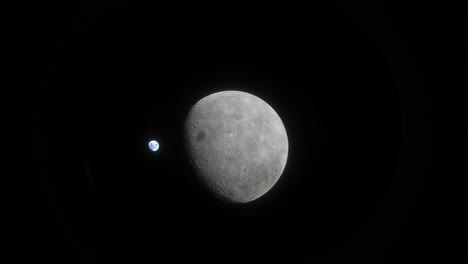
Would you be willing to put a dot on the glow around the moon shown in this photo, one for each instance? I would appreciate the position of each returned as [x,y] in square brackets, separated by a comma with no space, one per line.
[153,145]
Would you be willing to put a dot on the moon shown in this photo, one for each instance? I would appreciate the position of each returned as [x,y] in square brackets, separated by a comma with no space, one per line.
[236,144]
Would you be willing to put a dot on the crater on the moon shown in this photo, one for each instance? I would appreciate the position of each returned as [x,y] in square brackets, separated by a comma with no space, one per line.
[201,136]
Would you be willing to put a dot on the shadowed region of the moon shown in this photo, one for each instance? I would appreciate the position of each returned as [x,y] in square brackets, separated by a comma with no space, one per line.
[237,145]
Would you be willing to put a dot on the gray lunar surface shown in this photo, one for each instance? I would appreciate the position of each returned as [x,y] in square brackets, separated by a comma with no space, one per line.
[237,145]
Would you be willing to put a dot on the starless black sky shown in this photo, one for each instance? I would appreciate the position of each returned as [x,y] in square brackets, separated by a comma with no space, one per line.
[357,88]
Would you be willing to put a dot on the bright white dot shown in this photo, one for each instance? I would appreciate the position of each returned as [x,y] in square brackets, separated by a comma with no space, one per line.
[153,145]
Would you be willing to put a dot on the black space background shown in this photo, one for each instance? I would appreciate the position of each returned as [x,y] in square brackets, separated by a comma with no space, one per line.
[360,88]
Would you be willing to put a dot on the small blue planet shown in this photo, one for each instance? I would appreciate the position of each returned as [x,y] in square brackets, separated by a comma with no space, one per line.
[153,145]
